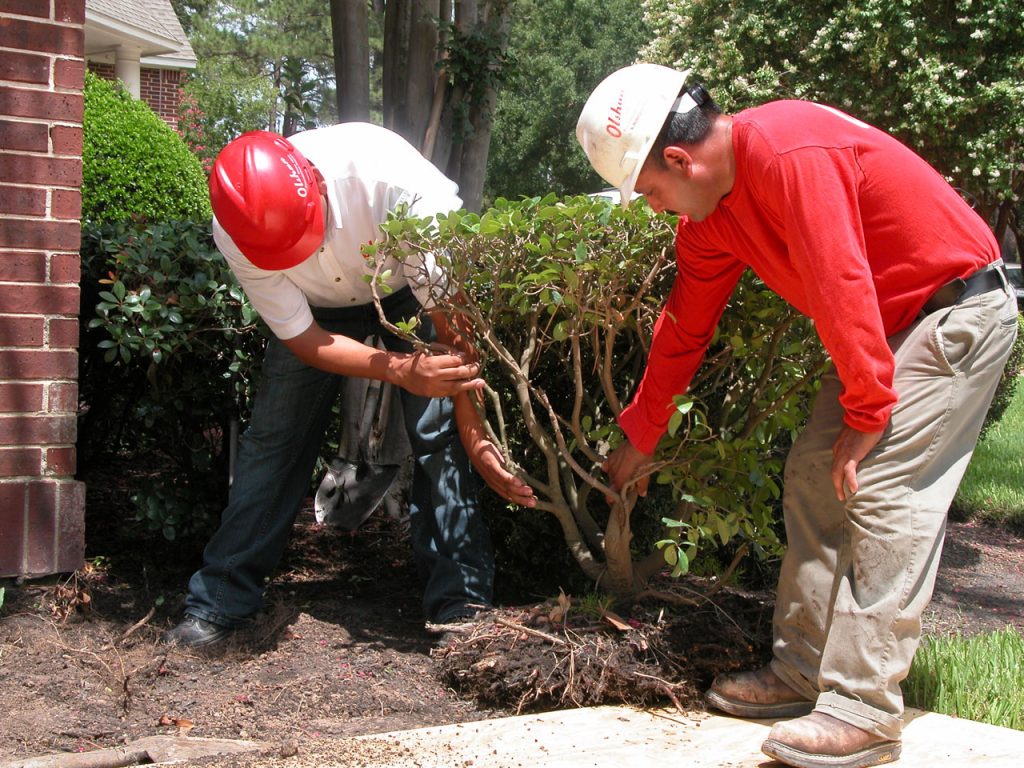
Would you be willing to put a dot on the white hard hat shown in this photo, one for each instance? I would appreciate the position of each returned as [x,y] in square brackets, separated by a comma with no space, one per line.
[623,117]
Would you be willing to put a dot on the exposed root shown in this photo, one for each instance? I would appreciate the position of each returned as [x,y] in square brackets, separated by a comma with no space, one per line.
[503,659]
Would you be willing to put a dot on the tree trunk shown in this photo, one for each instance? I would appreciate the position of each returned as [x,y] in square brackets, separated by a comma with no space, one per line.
[467,159]
[410,52]
[433,137]
[472,154]
[418,99]
[272,117]
[350,31]
[618,557]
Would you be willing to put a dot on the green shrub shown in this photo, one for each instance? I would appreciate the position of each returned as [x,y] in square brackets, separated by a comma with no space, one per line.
[133,163]
[168,347]
[563,295]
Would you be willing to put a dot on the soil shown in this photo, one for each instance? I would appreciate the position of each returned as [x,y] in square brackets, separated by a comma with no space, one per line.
[342,650]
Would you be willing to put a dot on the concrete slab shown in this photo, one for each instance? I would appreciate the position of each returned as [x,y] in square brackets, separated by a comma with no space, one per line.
[612,737]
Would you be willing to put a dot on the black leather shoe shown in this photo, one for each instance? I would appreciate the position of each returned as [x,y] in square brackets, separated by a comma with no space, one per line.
[460,613]
[194,632]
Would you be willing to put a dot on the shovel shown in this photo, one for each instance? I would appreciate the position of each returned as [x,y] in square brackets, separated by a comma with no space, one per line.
[354,485]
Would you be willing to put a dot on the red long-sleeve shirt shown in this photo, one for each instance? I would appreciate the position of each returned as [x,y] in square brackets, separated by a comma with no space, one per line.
[841,220]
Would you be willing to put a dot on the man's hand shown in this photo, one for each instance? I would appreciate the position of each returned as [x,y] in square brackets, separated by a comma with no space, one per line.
[442,374]
[486,457]
[488,461]
[848,451]
[622,465]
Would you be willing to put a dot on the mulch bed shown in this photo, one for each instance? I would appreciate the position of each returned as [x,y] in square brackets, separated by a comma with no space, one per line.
[342,649]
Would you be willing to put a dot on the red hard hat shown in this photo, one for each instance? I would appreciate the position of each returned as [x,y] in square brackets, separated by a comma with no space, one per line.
[265,195]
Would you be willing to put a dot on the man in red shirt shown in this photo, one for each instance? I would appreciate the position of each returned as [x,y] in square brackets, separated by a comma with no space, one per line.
[907,293]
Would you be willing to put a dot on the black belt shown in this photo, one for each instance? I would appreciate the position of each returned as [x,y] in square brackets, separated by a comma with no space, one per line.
[962,288]
[360,311]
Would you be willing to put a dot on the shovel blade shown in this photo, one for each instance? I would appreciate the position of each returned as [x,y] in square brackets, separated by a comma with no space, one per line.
[350,491]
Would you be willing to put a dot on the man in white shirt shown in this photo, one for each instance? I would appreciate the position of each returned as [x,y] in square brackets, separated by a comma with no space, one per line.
[291,216]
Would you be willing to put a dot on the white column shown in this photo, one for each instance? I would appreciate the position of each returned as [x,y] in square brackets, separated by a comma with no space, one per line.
[128,70]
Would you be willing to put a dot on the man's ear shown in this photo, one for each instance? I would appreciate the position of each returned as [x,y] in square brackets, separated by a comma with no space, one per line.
[321,183]
[678,159]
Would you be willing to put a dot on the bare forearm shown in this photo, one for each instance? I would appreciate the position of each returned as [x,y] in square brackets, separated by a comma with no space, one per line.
[467,418]
[342,355]
[485,455]
[439,375]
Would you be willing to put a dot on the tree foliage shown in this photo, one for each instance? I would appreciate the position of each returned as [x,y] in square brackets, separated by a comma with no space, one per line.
[944,76]
[563,295]
[260,64]
[560,50]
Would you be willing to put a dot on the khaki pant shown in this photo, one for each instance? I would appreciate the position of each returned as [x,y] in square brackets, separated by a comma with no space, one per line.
[858,575]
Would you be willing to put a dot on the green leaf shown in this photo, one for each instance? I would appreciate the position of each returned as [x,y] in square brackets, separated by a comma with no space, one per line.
[682,563]
[671,555]
[674,422]
[723,530]
[571,278]
[683,405]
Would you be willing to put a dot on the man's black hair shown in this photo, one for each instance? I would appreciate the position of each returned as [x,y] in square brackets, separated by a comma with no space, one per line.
[687,128]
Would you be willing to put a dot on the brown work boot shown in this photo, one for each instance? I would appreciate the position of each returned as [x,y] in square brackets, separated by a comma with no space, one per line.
[821,741]
[757,694]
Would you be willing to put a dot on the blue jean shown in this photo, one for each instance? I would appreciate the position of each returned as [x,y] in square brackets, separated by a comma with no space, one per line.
[276,457]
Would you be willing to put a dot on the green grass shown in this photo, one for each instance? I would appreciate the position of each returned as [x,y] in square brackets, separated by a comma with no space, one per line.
[978,678]
[993,488]
[981,677]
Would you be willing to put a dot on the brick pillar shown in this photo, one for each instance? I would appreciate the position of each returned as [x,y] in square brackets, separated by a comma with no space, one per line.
[42,70]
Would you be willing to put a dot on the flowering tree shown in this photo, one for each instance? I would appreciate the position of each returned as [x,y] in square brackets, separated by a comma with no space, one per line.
[192,127]
[944,76]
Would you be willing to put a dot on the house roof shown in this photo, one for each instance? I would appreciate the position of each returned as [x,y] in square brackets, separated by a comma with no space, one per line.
[151,26]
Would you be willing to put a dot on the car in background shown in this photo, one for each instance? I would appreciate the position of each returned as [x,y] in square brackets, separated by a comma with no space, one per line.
[1013,272]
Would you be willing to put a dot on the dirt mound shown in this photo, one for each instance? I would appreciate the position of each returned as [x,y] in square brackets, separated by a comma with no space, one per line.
[550,656]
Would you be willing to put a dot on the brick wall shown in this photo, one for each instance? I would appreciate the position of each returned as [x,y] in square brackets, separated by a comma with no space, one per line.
[159,88]
[42,66]
[106,71]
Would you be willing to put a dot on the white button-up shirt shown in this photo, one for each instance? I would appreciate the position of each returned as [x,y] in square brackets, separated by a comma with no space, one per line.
[369,171]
